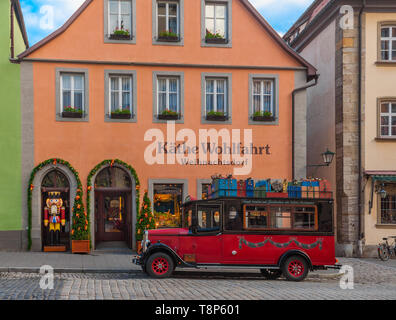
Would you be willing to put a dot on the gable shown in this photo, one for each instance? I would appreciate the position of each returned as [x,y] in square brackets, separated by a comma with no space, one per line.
[254,41]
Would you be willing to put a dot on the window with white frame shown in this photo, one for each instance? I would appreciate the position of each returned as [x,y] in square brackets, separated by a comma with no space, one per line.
[168,95]
[72,92]
[388,43]
[216,96]
[388,118]
[120,18]
[263,97]
[216,20]
[120,88]
[167,19]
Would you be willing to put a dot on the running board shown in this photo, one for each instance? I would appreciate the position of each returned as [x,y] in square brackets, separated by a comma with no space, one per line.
[224,266]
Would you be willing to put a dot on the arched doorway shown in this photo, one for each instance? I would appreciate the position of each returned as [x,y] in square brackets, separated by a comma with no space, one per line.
[55,186]
[113,206]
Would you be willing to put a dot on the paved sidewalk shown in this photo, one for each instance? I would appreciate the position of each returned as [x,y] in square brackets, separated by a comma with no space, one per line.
[67,262]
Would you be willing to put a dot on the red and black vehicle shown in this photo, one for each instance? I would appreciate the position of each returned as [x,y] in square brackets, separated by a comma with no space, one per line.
[278,236]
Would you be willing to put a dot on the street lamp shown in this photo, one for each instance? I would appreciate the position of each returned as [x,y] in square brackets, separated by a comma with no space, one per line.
[327,159]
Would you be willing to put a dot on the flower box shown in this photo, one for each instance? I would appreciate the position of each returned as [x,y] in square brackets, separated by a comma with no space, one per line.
[169,116]
[168,38]
[120,115]
[264,118]
[216,40]
[80,246]
[216,117]
[71,114]
[120,37]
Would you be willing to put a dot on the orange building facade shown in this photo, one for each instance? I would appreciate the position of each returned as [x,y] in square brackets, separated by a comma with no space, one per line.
[150,83]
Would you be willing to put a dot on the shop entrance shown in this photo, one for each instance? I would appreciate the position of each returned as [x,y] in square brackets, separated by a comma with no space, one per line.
[113,206]
[55,187]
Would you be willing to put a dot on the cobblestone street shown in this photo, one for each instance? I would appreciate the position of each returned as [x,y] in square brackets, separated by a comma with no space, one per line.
[371,281]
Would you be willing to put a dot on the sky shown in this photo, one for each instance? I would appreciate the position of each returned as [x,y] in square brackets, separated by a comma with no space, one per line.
[42,17]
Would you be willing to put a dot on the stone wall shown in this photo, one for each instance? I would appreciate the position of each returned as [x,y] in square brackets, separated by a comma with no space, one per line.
[347,142]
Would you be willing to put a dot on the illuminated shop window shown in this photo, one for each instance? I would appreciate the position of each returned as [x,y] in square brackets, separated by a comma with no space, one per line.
[167,201]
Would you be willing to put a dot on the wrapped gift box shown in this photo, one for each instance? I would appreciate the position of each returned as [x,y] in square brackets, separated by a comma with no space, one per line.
[260,192]
[277,195]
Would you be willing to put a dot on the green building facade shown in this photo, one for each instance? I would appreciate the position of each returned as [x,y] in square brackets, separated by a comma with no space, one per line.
[13,41]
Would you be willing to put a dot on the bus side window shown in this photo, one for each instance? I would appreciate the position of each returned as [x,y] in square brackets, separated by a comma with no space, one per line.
[233,218]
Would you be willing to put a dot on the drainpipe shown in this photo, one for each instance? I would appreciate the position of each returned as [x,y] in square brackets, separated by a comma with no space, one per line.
[293,112]
[12,30]
[360,211]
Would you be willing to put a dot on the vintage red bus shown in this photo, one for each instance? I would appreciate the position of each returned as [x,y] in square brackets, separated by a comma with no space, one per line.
[276,235]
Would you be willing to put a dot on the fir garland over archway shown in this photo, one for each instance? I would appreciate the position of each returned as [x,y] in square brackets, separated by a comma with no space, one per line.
[80,218]
[111,163]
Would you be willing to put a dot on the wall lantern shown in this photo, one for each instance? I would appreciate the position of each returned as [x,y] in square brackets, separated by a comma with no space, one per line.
[381,191]
[327,156]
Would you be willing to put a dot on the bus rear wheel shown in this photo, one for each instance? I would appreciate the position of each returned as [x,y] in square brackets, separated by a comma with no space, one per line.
[295,268]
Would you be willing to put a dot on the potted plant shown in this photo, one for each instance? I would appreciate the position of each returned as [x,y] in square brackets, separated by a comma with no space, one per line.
[216,116]
[120,34]
[80,225]
[214,37]
[168,36]
[265,116]
[121,114]
[72,112]
[145,220]
[169,115]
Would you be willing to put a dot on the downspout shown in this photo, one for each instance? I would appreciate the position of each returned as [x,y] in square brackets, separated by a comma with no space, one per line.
[361,233]
[12,30]
[293,113]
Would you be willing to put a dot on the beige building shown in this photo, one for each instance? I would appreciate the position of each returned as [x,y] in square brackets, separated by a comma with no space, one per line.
[352,111]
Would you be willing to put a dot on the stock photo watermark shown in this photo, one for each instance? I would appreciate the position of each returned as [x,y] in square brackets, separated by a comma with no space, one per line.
[47,278]
[347,279]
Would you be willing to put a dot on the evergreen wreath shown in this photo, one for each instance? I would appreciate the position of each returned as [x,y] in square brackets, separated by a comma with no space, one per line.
[111,162]
[80,225]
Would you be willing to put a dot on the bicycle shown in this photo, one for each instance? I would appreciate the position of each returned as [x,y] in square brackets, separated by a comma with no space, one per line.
[386,250]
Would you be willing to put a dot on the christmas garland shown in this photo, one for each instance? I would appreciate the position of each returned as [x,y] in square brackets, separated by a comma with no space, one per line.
[280,245]
[80,218]
[111,163]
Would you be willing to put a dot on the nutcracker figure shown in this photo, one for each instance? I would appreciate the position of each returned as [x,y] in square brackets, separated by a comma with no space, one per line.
[54,216]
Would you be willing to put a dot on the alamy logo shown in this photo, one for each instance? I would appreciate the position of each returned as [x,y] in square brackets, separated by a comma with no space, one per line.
[47,278]
[182,147]
[346,281]
[47,20]
[347,20]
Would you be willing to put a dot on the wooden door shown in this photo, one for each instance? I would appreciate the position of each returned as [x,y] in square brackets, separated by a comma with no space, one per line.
[111,216]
